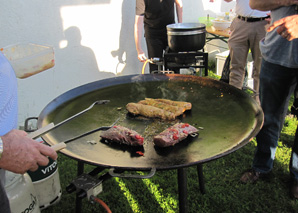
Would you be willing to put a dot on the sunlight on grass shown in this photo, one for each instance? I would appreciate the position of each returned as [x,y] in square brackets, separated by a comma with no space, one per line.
[128,195]
[284,149]
[290,126]
[283,155]
[166,203]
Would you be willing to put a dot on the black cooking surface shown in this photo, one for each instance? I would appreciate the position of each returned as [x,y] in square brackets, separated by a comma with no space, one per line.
[229,118]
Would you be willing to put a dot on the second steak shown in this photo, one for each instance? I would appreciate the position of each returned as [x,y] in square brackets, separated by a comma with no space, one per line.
[174,134]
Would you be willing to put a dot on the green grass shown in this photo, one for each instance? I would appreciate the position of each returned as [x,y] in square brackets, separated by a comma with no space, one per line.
[224,192]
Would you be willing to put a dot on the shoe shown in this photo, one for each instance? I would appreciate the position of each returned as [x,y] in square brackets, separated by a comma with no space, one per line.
[253,176]
[294,189]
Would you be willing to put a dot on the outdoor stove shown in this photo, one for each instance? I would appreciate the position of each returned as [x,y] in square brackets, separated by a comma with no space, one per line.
[188,60]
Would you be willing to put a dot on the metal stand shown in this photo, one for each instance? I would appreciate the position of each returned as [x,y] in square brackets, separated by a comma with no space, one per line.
[198,59]
[78,199]
[182,188]
[84,180]
[201,178]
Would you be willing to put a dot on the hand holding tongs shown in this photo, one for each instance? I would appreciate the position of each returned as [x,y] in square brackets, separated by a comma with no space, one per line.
[51,126]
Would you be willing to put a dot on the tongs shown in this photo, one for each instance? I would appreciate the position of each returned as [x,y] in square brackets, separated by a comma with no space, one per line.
[62,145]
[52,126]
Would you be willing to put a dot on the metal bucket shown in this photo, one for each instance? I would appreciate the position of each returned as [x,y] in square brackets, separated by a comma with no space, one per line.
[21,193]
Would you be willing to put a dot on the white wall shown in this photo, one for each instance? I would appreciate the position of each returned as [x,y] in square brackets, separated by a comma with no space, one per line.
[93,40]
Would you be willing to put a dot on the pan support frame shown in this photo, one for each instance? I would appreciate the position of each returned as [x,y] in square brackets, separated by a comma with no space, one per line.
[199,59]
[96,184]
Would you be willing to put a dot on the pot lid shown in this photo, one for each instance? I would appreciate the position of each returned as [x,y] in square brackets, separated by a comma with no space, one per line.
[186,26]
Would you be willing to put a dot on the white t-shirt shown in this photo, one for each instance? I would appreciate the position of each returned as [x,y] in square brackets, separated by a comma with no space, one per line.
[243,9]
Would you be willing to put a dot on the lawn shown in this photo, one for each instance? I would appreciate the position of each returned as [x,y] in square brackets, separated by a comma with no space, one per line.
[224,192]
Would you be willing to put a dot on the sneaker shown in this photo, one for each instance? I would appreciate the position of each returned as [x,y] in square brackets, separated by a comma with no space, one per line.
[252,176]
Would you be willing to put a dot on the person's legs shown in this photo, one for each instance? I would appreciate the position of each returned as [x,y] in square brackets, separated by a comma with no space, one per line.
[155,49]
[294,168]
[294,107]
[257,34]
[276,86]
[294,158]
[238,46]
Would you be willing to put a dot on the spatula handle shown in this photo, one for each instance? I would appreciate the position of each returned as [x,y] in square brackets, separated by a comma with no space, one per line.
[59,146]
[41,131]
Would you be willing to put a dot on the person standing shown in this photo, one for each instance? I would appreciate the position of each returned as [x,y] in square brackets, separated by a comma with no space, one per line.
[278,79]
[154,16]
[247,29]
[18,153]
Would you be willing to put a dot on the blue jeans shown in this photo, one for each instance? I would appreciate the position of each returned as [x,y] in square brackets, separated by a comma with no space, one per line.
[277,84]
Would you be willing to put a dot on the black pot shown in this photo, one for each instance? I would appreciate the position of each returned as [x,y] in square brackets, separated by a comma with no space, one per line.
[184,37]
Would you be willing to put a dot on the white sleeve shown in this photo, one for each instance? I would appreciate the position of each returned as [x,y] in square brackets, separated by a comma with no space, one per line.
[8,97]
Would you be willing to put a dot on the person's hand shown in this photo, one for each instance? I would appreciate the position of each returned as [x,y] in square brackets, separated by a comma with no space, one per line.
[268,19]
[20,153]
[142,57]
[287,27]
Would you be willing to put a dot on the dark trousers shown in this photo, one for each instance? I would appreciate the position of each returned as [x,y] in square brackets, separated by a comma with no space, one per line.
[277,84]
[155,47]
[4,202]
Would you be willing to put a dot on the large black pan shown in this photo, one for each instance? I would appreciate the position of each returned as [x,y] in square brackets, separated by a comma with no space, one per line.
[229,117]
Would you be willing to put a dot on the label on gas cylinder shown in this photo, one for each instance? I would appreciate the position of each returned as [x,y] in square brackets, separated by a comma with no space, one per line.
[32,206]
[44,171]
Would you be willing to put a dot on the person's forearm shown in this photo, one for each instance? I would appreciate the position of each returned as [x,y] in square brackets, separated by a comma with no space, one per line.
[138,32]
[265,5]
[179,10]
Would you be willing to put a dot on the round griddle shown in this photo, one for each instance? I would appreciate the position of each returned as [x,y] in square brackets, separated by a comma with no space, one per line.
[229,116]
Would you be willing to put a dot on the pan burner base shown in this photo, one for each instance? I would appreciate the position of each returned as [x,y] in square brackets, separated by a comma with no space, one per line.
[193,59]
[86,185]
[89,185]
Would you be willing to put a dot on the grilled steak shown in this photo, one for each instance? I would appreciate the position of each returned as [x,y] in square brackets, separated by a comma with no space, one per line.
[123,135]
[149,111]
[174,134]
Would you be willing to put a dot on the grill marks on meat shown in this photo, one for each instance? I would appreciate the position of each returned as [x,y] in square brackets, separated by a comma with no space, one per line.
[123,135]
[174,134]
[158,108]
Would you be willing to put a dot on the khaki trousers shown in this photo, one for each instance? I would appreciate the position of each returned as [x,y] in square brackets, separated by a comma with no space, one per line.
[245,36]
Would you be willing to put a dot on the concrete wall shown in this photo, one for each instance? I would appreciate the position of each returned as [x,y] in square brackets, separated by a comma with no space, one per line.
[93,40]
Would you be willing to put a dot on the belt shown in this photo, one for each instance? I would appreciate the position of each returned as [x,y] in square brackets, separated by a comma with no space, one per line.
[251,19]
